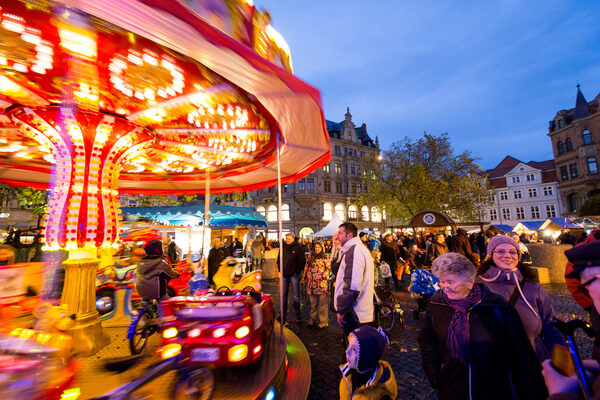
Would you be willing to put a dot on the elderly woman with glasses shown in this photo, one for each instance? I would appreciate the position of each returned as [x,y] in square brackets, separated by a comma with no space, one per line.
[472,342]
[504,273]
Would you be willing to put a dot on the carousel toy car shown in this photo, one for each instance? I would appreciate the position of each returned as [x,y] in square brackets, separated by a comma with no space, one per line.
[234,328]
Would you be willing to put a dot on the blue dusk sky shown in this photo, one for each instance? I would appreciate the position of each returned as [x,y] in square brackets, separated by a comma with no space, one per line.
[490,73]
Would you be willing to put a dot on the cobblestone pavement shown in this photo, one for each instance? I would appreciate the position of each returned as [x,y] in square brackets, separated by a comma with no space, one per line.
[326,352]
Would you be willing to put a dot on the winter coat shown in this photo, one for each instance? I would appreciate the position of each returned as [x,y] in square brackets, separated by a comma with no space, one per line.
[173,252]
[293,259]
[382,384]
[150,272]
[215,258]
[503,362]
[435,250]
[316,274]
[354,281]
[390,253]
[461,245]
[536,319]
[258,247]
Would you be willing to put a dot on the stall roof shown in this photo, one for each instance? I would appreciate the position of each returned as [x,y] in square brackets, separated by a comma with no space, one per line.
[330,228]
[562,223]
[502,227]
[220,215]
[532,225]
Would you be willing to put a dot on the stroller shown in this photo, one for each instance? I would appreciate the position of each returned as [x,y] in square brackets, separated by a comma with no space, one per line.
[423,284]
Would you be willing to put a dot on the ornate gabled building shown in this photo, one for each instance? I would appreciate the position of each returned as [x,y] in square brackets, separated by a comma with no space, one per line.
[308,204]
[522,192]
[575,135]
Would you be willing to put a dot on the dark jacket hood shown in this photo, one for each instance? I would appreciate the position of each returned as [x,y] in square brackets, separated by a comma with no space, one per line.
[148,267]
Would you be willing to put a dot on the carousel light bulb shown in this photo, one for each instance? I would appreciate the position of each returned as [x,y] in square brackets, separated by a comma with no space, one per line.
[13,26]
[75,42]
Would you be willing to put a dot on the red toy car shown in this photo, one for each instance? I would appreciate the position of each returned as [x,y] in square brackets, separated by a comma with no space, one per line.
[233,330]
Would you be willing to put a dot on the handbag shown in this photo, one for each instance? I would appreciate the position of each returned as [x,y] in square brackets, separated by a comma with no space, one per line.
[384,270]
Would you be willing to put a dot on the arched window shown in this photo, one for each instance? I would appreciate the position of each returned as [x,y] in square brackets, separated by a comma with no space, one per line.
[261,210]
[569,144]
[375,214]
[285,212]
[364,213]
[327,212]
[560,146]
[340,210]
[352,213]
[272,213]
[587,136]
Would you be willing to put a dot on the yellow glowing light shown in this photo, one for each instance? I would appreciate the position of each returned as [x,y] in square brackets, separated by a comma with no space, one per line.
[71,394]
[78,43]
[170,333]
[170,350]
[242,332]
[238,353]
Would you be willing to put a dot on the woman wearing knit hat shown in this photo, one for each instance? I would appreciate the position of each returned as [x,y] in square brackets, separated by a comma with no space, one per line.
[365,376]
[505,274]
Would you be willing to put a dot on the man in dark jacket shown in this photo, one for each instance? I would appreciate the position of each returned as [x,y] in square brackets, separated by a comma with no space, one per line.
[293,266]
[436,249]
[391,253]
[173,251]
[461,245]
[216,255]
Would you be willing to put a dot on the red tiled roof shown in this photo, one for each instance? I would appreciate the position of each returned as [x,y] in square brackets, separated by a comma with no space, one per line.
[547,167]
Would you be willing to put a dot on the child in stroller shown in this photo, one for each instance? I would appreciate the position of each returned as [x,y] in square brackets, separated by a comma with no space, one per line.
[423,284]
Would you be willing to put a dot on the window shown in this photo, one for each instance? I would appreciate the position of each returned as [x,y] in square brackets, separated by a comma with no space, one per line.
[261,210]
[357,169]
[506,213]
[346,169]
[516,179]
[503,195]
[272,213]
[302,185]
[352,169]
[535,212]
[345,151]
[492,198]
[327,211]
[587,137]
[532,192]
[560,146]
[520,213]
[354,188]
[327,186]
[362,154]
[352,213]
[310,184]
[530,177]
[564,172]
[340,210]
[338,151]
[364,213]
[375,214]
[285,188]
[548,191]
[574,171]
[568,144]
[493,215]
[592,166]
[338,187]
[338,168]
[517,194]
[550,211]
[285,212]
[326,168]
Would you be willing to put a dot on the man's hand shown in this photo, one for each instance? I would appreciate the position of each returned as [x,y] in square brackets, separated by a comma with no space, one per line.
[557,382]
[340,320]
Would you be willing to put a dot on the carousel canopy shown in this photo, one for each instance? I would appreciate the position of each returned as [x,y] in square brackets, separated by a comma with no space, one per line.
[155,92]
[220,216]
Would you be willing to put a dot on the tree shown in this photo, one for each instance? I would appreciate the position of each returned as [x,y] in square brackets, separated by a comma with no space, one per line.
[590,207]
[422,174]
[155,200]
[27,198]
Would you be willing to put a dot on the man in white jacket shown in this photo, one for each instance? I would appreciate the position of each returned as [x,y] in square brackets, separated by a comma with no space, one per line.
[353,296]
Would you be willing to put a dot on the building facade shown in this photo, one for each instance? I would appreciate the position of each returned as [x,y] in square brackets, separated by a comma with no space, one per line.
[308,204]
[575,135]
[523,192]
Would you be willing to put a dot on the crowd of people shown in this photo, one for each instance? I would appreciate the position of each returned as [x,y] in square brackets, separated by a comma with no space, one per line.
[487,331]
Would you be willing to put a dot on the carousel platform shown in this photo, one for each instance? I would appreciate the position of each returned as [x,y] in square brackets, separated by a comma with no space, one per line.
[283,372]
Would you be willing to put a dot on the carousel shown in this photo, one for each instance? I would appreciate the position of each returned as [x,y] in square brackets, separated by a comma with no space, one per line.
[144,97]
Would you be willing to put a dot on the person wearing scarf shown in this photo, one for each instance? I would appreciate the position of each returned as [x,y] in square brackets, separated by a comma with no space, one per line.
[316,275]
[472,342]
[504,273]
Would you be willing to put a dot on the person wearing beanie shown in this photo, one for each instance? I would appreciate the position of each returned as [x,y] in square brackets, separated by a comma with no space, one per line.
[154,273]
[365,376]
[585,259]
[504,273]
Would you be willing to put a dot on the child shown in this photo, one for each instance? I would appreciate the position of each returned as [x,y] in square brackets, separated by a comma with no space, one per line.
[365,376]
[154,273]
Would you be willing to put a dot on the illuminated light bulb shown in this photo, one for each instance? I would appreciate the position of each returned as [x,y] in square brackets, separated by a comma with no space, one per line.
[149,94]
[150,59]
[75,42]
[2,61]
[13,26]
[171,92]
[161,93]
[20,67]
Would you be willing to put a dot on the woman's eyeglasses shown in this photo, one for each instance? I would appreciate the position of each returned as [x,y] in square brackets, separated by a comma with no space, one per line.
[583,287]
[513,253]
